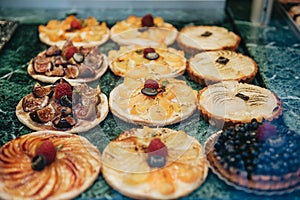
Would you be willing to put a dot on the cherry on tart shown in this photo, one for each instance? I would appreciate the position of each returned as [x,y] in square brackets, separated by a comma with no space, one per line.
[256,157]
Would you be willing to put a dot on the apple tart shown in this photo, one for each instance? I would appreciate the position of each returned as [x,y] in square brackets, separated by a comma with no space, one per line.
[195,39]
[215,66]
[168,62]
[152,102]
[47,165]
[158,163]
[143,31]
[231,102]
[63,107]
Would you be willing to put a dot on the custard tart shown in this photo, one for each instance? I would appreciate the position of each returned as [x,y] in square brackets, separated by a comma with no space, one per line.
[47,165]
[158,163]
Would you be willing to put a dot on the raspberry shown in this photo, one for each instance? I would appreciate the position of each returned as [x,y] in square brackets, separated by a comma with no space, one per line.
[150,83]
[147,21]
[63,89]
[75,24]
[48,150]
[69,52]
[157,148]
[266,131]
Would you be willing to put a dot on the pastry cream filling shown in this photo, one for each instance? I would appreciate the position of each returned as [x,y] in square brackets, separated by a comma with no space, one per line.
[221,100]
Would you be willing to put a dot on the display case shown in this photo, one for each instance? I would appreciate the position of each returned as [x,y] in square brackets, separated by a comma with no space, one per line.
[273,43]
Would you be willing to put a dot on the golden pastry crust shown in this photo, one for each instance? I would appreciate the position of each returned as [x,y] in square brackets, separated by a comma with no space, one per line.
[230,102]
[75,168]
[214,66]
[174,105]
[125,167]
[194,39]
[131,32]
[98,113]
[170,63]
[98,71]
[92,33]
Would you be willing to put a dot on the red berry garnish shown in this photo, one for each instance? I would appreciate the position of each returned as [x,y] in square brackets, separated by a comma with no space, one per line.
[157,148]
[266,131]
[48,150]
[63,89]
[75,24]
[150,83]
[147,21]
[69,52]
[148,50]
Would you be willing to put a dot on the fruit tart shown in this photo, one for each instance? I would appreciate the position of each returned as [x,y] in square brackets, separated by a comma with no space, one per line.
[152,102]
[231,102]
[194,39]
[222,65]
[146,30]
[74,64]
[47,165]
[82,32]
[63,107]
[256,157]
[158,163]
[168,62]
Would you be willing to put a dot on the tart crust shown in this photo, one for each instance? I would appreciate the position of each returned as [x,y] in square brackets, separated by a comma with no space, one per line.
[76,167]
[205,67]
[125,167]
[215,38]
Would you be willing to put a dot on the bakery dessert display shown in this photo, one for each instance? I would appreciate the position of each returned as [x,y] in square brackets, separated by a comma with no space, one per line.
[231,102]
[255,157]
[195,39]
[74,64]
[150,101]
[47,165]
[63,107]
[155,163]
[222,65]
[146,30]
[167,62]
[82,32]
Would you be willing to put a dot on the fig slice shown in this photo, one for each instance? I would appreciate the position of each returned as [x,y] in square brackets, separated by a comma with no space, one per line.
[42,64]
[64,122]
[72,71]
[40,91]
[86,71]
[85,112]
[43,115]
[56,71]
[31,103]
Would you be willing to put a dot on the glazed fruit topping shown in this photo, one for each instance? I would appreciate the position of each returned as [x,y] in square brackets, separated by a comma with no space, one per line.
[150,54]
[69,51]
[266,131]
[63,89]
[157,153]
[45,154]
[148,21]
[150,83]
[222,60]
[75,24]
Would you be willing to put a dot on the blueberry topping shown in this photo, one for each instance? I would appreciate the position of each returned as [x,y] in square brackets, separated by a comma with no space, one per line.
[149,91]
[78,57]
[38,162]
[206,34]
[156,161]
[152,56]
[222,60]
[66,101]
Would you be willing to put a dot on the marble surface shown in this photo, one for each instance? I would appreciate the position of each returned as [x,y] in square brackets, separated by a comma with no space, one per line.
[274,47]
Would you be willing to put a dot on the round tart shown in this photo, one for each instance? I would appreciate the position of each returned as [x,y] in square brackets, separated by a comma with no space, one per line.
[207,38]
[164,102]
[63,107]
[82,32]
[168,62]
[257,158]
[75,166]
[215,66]
[74,64]
[154,163]
[144,31]
[231,102]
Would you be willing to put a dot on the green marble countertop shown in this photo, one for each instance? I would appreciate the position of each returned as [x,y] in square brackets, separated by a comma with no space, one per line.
[275,48]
